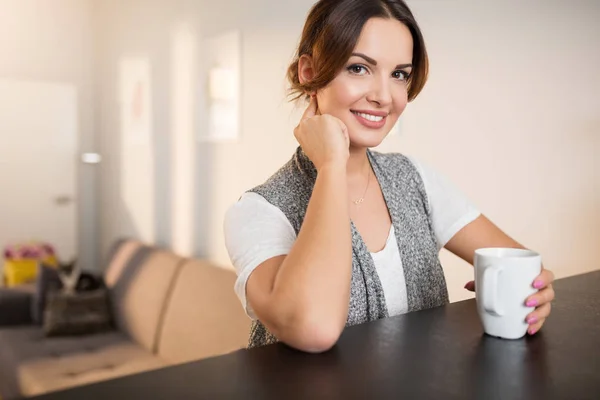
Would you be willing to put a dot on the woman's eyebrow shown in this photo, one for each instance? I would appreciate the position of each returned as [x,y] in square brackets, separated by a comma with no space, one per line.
[367,58]
[373,62]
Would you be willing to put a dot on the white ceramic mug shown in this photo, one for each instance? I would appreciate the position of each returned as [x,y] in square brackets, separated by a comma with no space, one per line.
[503,281]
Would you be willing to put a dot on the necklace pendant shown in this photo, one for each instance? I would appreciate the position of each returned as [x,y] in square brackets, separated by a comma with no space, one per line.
[359,201]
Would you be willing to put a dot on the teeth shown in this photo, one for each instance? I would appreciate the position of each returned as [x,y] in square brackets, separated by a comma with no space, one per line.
[370,117]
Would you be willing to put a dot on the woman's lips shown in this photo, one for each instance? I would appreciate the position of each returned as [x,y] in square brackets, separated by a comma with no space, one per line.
[372,120]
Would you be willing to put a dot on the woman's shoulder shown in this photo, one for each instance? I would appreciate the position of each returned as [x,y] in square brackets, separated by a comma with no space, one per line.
[391,157]
[420,170]
[424,169]
[290,187]
[282,176]
[397,161]
[249,203]
[251,210]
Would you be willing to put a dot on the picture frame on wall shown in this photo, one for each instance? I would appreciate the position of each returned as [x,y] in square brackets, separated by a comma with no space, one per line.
[221,87]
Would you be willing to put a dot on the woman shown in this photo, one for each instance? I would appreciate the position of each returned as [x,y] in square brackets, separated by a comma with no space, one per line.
[341,235]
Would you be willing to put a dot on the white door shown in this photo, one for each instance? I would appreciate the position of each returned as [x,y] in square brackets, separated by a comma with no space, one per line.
[38,160]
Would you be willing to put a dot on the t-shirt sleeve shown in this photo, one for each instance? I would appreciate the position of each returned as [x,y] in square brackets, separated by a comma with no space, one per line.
[450,209]
[255,231]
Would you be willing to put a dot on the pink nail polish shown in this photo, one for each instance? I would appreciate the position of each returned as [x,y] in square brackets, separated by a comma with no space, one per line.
[532,331]
[532,320]
[538,284]
[531,303]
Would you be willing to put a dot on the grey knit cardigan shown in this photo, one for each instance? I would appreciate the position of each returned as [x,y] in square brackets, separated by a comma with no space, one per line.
[290,189]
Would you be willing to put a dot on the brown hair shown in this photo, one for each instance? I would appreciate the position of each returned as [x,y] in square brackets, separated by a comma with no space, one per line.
[331,32]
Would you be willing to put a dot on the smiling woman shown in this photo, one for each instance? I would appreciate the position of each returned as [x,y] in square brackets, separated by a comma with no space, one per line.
[343,235]
[380,71]
[332,31]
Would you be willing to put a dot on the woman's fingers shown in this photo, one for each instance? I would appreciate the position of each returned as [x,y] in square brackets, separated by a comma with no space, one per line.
[311,110]
[542,297]
[545,278]
[537,318]
[534,328]
[539,314]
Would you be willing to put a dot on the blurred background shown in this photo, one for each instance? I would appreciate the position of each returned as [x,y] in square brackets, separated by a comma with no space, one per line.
[148,119]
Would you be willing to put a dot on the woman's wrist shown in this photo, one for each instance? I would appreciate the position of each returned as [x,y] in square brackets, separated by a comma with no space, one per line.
[333,167]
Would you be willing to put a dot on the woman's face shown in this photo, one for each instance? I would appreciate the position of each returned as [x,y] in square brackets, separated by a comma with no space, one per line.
[370,92]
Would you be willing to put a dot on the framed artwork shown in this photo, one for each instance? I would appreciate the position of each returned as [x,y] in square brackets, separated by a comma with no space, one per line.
[221,83]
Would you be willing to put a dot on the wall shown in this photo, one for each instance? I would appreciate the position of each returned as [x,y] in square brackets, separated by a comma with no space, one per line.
[131,34]
[149,30]
[510,114]
[52,42]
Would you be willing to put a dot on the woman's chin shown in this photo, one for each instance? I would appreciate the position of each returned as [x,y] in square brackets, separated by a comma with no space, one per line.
[366,140]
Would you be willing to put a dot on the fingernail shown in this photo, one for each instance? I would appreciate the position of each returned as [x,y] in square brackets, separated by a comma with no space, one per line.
[532,331]
[466,285]
[531,303]
[538,284]
[532,320]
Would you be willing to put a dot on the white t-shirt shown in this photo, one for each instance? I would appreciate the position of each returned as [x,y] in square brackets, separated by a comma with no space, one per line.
[256,230]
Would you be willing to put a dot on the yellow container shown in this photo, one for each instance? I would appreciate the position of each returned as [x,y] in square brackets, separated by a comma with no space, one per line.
[17,272]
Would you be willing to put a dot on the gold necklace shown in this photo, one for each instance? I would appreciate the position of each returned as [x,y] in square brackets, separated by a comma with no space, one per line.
[361,199]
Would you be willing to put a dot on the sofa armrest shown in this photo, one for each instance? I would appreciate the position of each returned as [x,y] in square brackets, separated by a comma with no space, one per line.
[15,306]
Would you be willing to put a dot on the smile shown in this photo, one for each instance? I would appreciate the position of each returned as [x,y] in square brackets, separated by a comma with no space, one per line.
[375,120]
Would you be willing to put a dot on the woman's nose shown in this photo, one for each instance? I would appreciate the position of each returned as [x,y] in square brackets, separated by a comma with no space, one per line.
[380,93]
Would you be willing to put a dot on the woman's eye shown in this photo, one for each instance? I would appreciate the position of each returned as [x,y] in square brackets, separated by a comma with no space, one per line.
[400,75]
[357,69]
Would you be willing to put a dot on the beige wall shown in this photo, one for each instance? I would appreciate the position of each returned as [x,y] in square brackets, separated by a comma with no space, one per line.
[510,115]
[52,41]
[146,29]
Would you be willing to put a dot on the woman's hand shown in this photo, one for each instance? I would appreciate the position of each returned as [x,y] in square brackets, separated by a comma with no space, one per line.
[540,300]
[323,138]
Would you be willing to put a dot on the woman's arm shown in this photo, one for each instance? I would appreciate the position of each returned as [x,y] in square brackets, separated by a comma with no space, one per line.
[479,234]
[483,233]
[302,298]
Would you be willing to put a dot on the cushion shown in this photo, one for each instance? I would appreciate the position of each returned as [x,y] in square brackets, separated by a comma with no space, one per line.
[38,364]
[25,344]
[139,293]
[81,313]
[120,255]
[204,317]
[47,282]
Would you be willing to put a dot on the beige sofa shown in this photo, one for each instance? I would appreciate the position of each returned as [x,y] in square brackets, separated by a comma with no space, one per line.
[168,310]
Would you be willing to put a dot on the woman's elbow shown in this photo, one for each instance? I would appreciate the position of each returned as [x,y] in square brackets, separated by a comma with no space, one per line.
[314,337]
[321,344]
[308,329]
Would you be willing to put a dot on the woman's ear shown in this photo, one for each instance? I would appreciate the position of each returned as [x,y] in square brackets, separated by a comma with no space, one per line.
[306,71]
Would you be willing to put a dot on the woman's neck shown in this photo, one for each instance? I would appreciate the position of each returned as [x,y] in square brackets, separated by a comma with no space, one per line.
[357,162]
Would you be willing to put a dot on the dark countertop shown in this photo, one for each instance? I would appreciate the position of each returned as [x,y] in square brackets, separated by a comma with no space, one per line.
[440,353]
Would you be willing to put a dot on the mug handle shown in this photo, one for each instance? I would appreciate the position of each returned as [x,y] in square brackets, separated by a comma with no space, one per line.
[490,290]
